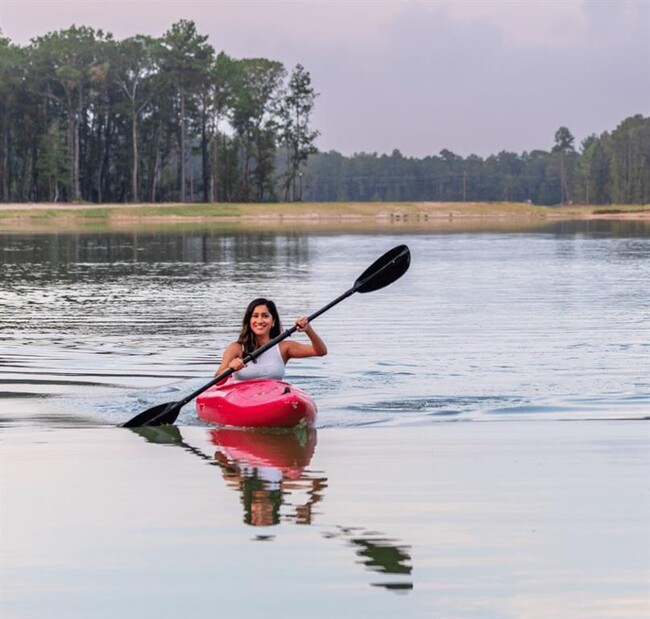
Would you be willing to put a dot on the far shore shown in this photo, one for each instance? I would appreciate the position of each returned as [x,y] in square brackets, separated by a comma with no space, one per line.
[52,217]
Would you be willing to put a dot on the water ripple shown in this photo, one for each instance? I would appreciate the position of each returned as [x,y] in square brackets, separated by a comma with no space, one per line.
[483,326]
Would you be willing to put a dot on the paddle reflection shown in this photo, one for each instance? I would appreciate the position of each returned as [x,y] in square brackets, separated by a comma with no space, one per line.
[379,554]
[270,473]
[268,470]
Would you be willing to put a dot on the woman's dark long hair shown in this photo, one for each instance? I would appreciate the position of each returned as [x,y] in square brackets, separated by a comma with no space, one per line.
[247,338]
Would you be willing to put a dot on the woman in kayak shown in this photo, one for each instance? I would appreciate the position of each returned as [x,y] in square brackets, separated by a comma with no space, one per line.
[260,325]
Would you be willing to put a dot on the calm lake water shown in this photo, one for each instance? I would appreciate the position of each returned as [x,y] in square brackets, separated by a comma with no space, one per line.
[482,445]
[95,328]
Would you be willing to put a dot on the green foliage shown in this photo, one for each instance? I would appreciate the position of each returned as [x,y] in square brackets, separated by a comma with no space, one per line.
[185,64]
[253,117]
[612,168]
[564,152]
[86,118]
[295,134]
[134,73]
[10,94]
[154,119]
[52,162]
[628,150]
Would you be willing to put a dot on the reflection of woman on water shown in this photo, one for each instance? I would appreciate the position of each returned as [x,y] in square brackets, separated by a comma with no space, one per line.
[261,324]
[260,489]
[264,490]
[267,470]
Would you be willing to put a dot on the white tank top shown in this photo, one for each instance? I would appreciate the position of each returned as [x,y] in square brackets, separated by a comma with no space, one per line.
[268,365]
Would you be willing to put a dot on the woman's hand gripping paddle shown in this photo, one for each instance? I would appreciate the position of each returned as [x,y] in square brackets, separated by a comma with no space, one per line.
[381,273]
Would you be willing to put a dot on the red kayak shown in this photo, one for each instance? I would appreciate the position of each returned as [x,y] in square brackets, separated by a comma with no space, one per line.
[261,403]
[286,451]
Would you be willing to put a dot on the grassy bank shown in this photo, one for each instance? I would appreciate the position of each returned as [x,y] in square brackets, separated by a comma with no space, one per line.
[299,215]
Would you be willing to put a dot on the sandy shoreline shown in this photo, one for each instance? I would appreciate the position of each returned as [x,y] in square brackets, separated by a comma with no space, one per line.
[342,216]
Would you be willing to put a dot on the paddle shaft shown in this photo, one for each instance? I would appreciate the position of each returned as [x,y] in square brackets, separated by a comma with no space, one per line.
[384,271]
[254,355]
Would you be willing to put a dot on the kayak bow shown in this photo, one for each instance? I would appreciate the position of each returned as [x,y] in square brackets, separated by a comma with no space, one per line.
[261,403]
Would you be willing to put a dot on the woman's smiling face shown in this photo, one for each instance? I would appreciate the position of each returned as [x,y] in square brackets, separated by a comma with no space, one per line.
[261,321]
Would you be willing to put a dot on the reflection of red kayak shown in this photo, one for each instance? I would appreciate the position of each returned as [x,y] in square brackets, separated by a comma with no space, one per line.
[256,404]
[286,452]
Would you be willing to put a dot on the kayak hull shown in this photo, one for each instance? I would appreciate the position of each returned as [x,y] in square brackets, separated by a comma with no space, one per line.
[261,403]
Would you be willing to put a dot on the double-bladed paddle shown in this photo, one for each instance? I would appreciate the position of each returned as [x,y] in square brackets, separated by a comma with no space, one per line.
[384,271]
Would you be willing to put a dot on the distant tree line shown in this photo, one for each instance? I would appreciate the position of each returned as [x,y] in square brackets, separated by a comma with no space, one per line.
[611,168]
[84,117]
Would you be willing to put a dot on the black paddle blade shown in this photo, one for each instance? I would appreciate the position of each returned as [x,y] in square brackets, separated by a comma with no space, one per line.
[156,416]
[384,271]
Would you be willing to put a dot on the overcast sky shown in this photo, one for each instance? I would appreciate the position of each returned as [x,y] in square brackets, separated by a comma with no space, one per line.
[471,76]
